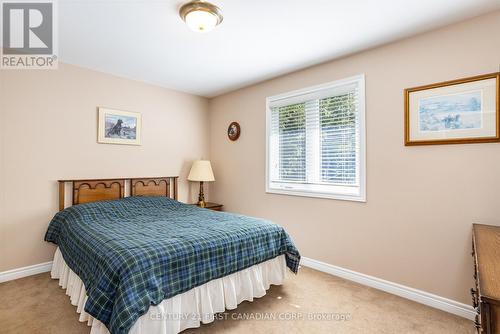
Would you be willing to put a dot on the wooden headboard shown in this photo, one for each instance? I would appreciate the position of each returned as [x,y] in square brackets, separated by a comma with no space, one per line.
[85,191]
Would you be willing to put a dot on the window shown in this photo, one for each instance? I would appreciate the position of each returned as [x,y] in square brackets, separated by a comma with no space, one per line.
[316,141]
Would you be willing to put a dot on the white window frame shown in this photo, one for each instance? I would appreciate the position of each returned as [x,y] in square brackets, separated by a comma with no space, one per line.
[315,190]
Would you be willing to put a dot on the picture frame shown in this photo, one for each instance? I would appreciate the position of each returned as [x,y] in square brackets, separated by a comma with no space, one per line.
[459,111]
[233,131]
[119,127]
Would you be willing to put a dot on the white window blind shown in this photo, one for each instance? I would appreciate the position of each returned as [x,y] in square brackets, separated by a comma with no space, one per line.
[315,141]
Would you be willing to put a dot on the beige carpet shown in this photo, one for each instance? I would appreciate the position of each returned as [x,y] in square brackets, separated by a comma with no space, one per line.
[37,304]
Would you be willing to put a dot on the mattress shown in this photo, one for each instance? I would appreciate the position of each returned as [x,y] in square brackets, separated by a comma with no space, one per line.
[138,251]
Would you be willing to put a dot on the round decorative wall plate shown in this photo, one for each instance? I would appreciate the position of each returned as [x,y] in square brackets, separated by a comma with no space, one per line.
[233,131]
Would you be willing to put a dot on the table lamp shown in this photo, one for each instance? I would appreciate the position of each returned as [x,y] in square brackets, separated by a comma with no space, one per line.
[201,171]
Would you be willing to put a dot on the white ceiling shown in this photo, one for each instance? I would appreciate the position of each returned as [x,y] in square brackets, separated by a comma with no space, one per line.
[259,39]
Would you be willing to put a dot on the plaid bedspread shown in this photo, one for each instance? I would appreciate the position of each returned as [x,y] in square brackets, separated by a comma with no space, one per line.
[134,252]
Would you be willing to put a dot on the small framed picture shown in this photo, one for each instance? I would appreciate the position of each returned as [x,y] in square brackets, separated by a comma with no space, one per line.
[119,127]
[233,131]
[454,112]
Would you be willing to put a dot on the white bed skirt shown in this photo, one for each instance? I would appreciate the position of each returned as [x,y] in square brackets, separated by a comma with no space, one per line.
[188,309]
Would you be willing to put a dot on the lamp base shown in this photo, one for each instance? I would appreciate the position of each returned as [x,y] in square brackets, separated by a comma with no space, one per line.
[201,197]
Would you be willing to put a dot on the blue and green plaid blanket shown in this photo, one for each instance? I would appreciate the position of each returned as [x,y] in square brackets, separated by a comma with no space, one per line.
[134,252]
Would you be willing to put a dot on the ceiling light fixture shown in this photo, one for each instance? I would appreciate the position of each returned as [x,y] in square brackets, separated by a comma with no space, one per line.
[200,16]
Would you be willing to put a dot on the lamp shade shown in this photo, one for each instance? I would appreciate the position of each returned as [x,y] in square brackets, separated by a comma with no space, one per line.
[201,16]
[201,171]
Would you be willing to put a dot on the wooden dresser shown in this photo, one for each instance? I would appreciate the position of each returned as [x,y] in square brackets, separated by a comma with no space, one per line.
[486,295]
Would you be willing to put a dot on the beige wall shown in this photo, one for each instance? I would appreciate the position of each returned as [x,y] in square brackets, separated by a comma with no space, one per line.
[415,227]
[49,129]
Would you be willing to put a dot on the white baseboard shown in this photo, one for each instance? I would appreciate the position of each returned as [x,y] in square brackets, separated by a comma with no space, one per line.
[13,274]
[426,298]
[429,299]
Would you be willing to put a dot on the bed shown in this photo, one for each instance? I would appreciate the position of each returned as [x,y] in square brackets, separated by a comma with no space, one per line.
[147,263]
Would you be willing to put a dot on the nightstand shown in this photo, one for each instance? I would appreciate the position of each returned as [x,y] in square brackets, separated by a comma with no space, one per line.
[212,206]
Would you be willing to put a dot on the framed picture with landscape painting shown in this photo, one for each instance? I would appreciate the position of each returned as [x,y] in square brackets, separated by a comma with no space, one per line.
[119,127]
[454,112]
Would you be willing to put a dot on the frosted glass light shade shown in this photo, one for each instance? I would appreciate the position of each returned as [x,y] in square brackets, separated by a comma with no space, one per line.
[201,21]
[201,171]
[201,16]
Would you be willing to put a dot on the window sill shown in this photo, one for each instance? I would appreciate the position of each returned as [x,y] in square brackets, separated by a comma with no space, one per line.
[341,197]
